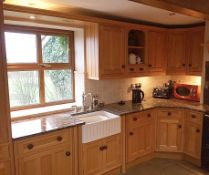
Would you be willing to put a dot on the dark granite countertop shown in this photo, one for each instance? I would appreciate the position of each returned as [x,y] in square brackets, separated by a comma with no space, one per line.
[154,103]
[36,126]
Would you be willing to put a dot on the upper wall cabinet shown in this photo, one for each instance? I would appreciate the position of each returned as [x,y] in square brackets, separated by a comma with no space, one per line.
[105,51]
[136,46]
[195,38]
[176,52]
[116,51]
[185,54]
[156,61]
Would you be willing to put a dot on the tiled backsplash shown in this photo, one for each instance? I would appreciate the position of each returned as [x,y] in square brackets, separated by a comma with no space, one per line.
[110,91]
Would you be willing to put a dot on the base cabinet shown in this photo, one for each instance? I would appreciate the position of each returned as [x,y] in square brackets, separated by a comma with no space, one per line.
[140,135]
[48,154]
[102,156]
[5,168]
[169,130]
[193,134]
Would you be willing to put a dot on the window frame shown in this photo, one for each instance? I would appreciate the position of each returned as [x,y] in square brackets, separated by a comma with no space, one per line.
[12,67]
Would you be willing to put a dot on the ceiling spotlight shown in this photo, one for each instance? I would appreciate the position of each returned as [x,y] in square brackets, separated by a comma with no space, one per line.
[32,17]
[172,14]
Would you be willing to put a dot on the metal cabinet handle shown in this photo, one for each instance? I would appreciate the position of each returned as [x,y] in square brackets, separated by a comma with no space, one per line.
[30,146]
[68,153]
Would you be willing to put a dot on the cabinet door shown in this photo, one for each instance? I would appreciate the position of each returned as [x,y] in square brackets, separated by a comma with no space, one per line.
[112,153]
[112,50]
[176,61]
[93,158]
[63,164]
[169,137]
[192,141]
[140,140]
[156,51]
[37,164]
[5,168]
[195,56]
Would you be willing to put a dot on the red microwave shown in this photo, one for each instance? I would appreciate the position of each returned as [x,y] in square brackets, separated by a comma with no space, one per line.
[187,92]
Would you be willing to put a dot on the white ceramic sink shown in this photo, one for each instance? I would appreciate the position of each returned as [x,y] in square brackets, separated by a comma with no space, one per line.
[99,125]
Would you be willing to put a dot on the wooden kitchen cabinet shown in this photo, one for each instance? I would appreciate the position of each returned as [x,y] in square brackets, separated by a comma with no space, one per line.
[5,167]
[156,51]
[105,51]
[195,37]
[48,154]
[169,130]
[140,134]
[193,134]
[102,156]
[176,52]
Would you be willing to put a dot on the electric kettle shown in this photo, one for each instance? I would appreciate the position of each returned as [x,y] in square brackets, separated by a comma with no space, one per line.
[137,94]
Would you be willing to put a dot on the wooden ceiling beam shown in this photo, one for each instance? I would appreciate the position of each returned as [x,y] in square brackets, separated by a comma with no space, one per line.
[195,8]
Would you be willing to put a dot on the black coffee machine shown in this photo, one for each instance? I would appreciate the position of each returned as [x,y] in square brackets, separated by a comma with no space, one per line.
[137,93]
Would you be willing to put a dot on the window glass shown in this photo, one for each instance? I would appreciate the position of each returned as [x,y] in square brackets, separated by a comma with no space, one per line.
[55,49]
[20,48]
[23,88]
[58,85]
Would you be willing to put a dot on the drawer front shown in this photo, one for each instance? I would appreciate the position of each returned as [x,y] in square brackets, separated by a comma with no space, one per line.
[42,142]
[135,119]
[195,117]
[170,113]
[4,151]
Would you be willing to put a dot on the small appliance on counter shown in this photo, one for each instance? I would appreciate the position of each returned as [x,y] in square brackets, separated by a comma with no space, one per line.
[166,91]
[137,93]
[187,91]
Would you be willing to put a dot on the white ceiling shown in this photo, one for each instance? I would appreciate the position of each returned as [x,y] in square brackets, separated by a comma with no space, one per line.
[120,8]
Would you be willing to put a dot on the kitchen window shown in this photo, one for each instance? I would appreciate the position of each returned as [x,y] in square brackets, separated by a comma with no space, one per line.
[40,66]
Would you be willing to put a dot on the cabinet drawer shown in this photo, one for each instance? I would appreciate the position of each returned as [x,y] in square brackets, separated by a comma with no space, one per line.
[135,119]
[169,113]
[195,117]
[4,151]
[45,141]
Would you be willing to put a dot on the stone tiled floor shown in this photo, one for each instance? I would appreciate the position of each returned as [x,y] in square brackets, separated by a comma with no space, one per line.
[165,167]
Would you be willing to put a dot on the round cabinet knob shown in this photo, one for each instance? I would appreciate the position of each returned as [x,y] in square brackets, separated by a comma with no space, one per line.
[198,130]
[30,146]
[59,138]
[193,116]
[105,147]
[183,65]
[149,65]
[148,115]
[179,126]
[68,153]
[101,148]
[190,65]
[123,66]
[169,113]
[134,119]
[141,69]
[131,69]
[131,133]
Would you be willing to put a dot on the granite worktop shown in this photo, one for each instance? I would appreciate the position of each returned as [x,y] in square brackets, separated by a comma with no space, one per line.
[36,126]
[151,103]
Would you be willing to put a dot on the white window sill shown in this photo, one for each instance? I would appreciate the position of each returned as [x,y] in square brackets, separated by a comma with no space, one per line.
[35,112]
